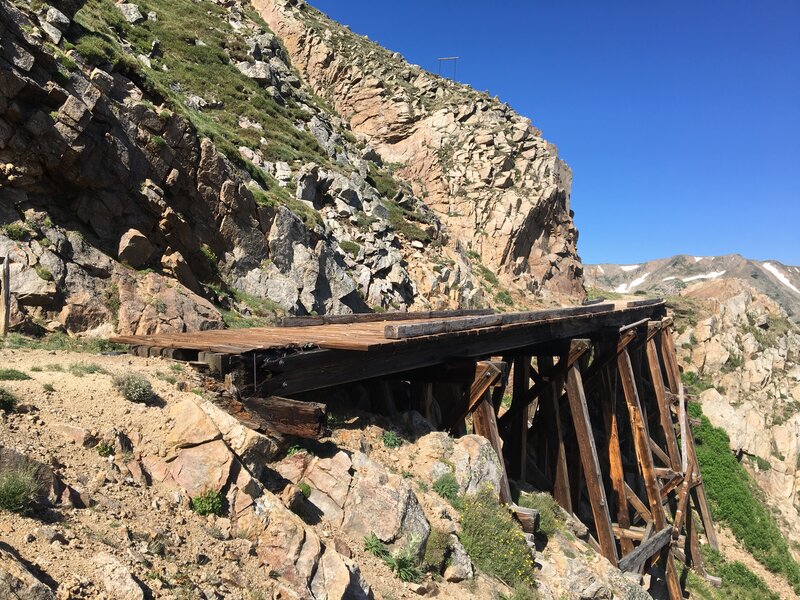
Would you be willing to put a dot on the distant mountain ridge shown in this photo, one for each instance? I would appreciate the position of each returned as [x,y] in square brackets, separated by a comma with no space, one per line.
[668,276]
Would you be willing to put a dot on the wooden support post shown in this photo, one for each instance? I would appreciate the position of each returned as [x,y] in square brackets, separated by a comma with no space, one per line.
[552,412]
[699,493]
[485,423]
[665,415]
[5,297]
[670,358]
[517,432]
[645,459]
[609,396]
[591,465]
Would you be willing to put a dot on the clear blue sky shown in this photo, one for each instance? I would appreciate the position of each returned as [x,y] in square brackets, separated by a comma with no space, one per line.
[680,120]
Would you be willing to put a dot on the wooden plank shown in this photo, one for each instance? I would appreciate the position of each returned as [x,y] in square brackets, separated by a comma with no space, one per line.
[5,297]
[411,330]
[485,424]
[378,317]
[291,417]
[670,358]
[647,549]
[617,472]
[680,510]
[665,415]
[591,465]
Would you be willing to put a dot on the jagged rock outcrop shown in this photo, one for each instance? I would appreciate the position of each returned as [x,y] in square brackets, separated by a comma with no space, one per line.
[491,178]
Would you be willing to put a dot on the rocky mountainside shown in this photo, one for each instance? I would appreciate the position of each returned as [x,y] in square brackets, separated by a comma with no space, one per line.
[182,165]
[668,276]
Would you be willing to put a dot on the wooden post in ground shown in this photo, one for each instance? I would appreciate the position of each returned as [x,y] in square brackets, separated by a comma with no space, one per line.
[517,431]
[5,297]
[591,465]
[484,422]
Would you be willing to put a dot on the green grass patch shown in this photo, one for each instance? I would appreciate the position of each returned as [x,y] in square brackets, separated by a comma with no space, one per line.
[8,401]
[402,563]
[59,342]
[738,581]
[436,551]
[495,541]
[19,488]
[81,368]
[13,375]
[736,501]
[352,248]
[15,231]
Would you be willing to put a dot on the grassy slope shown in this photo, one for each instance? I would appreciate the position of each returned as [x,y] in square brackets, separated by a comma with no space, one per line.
[737,502]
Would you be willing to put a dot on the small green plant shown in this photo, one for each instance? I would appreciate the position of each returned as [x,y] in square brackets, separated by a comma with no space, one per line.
[43,273]
[48,387]
[7,400]
[295,450]
[79,369]
[375,546]
[305,489]
[19,488]
[104,449]
[403,563]
[494,541]
[134,387]
[447,487]
[15,231]
[207,503]
[391,439]
[762,464]
[13,375]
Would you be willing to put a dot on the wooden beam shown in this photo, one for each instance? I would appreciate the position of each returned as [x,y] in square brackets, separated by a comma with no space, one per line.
[551,413]
[665,415]
[376,317]
[5,297]
[637,504]
[646,550]
[591,465]
[670,358]
[485,424]
[290,417]
[487,374]
[410,330]
[527,517]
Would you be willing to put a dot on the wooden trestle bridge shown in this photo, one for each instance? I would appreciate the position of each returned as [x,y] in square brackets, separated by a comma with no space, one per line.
[597,414]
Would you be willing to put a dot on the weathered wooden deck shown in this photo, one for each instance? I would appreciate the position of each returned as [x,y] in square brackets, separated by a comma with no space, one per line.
[596,412]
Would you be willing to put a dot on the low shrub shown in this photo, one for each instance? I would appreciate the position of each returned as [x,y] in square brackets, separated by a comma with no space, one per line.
[19,488]
[304,488]
[494,541]
[13,375]
[207,503]
[447,487]
[8,401]
[134,387]
[79,369]
[104,449]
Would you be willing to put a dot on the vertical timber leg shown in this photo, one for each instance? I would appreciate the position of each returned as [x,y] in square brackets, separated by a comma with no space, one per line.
[550,407]
[609,395]
[665,414]
[517,449]
[645,458]
[591,466]
[485,423]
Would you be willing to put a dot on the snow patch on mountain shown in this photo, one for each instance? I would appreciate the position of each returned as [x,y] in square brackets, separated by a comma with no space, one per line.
[780,276]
